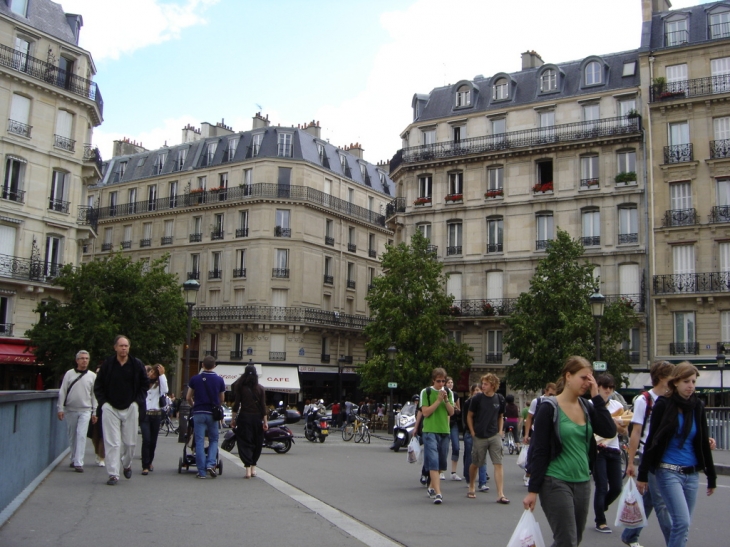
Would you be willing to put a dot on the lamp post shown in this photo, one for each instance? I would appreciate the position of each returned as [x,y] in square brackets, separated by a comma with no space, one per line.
[721,365]
[392,350]
[191,288]
[597,301]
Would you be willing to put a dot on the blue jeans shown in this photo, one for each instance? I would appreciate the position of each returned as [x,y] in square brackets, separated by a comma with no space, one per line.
[205,425]
[680,494]
[652,500]
[468,445]
[454,436]
[607,476]
[435,450]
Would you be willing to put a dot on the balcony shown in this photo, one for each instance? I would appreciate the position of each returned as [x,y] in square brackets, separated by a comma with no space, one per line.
[194,275]
[453,250]
[145,242]
[720,149]
[591,241]
[18,128]
[87,216]
[64,143]
[628,238]
[329,280]
[697,87]
[350,284]
[494,247]
[571,132]
[196,238]
[239,273]
[719,30]
[587,184]
[329,241]
[126,244]
[277,356]
[241,232]
[720,214]
[324,358]
[6,329]
[633,357]
[684,348]
[106,247]
[483,307]
[679,153]
[432,249]
[345,359]
[690,283]
[633,301]
[680,217]
[282,273]
[216,234]
[282,232]
[17,196]
[52,75]
[398,205]
[372,253]
[166,240]
[676,38]
[215,274]
[541,244]
[275,314]
[493,358]
[59,206]
[236,354]
[212,353]
[454,198]
[723,347]
[351,247]
[14,267]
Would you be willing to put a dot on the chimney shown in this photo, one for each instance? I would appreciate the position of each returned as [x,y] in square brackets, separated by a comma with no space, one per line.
[356,150]
[126,147]
[190,134]
[531,59]
[75,22]
[259,121]
[218,130]
[313,128]
[650,7]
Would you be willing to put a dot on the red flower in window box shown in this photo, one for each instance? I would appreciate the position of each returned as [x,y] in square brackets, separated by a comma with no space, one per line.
[544,187]
[455,197]
[494,193]
[197,191]
[422,201]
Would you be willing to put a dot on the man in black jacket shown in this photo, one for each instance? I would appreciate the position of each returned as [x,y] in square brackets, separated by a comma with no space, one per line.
[121,389]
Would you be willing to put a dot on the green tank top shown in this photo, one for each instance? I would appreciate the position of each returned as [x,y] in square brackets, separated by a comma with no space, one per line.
[572,463]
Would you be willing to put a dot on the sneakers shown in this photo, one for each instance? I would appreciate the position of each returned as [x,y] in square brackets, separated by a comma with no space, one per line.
[455,477]
[441,476]
[78,469]
[603,528]
[483,488]
[128,473]
[438,500]
[431,493]
[101,463]
[632,544]
[212,472]
[424,480]
[200,477]
[112,480]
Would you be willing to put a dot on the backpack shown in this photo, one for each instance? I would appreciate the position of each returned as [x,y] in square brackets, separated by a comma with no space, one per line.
[649,405]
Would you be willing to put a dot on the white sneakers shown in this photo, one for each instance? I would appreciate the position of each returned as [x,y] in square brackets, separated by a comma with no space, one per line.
[455,477]
[441,476]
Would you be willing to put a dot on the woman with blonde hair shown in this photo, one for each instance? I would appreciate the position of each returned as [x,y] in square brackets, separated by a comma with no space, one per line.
[563,449]
[677,448]
[150,422]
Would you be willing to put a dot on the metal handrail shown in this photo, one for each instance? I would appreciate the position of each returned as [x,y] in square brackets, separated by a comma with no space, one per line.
[483,307]
[279,314]
[692,283]
[697,87]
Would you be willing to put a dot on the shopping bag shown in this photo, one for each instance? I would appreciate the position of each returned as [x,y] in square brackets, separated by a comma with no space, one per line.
[527,533]
[414,450]
[630,512]
[522,458]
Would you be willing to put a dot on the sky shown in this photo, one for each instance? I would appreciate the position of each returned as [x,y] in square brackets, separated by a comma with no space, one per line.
[352,65]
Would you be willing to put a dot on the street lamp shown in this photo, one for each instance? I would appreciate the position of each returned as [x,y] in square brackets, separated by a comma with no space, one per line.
[190,288]
[392,350]
[721,365]
[597,301]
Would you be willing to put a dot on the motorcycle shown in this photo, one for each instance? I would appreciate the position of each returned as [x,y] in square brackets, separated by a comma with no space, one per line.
[316,424]
[278,437]
[405,421]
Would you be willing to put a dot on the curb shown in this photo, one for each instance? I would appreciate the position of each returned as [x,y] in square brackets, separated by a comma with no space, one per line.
[722,469]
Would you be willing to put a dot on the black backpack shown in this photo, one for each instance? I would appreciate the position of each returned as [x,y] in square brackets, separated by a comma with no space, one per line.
[649,405]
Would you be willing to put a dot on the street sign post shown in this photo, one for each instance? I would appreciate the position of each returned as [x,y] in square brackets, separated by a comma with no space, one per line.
[392,385]
[600,366]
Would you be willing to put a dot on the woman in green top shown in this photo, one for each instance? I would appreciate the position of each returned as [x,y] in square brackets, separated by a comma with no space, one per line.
[562,451]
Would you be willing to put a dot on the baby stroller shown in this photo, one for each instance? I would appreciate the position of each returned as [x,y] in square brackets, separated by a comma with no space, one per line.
[188,458]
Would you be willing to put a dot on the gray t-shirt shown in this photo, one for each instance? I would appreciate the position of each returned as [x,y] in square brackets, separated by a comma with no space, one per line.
[486,414]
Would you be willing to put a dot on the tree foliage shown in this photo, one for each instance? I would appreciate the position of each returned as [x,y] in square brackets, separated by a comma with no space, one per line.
[554,321]
[108,297]
[409,306]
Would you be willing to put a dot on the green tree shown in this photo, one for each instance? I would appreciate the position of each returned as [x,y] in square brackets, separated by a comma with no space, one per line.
[553,320]
[107,297]
[409,307]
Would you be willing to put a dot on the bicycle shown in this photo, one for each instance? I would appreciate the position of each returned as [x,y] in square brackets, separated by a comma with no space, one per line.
[362,433]
[167,426]
[509,440]
[349,429]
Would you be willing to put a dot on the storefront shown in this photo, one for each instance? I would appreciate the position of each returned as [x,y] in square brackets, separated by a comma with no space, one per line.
[325,382]
[280,382]
[19,370]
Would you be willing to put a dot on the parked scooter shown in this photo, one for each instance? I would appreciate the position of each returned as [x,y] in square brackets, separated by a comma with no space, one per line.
[316,423]
[405,421]
[278,437]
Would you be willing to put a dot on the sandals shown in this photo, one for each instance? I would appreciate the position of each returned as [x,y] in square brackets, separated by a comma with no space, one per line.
[503,501]
[471,495]
[145,471]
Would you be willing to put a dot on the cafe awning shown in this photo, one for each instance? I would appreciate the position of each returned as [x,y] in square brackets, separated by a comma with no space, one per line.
[16,354]
[707,382]
[272,378]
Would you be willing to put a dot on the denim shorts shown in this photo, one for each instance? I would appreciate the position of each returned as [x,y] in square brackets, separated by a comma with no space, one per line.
[435,448]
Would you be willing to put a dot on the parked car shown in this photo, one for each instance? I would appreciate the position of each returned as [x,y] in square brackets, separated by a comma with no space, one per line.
[227,416]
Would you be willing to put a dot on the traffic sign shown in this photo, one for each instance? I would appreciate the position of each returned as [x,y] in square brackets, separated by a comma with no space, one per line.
[599,366]
[392,385]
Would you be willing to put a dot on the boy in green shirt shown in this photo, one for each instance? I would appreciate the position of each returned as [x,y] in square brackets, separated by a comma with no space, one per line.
[437,405]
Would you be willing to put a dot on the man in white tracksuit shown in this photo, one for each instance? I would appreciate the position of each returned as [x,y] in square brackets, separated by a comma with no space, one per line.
[77,405]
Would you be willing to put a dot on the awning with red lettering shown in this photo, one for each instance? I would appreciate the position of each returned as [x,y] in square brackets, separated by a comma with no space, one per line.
[16,354]
[272,378]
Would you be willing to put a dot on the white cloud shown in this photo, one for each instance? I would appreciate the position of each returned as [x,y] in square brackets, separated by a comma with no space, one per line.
[116,27]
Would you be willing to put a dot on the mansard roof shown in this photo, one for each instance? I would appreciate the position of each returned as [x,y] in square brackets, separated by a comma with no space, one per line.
[45,16]
[698,26]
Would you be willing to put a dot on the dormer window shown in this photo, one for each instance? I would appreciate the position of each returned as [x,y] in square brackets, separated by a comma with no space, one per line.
[345,166]
[19,6]
[500,90]
[231,151]
[592,73]
[182,155]
[548,81]
[323,159]
[209,154]
[463,96]
[160,162]
[675,32]
[285,145]
[720,23]
[256,144]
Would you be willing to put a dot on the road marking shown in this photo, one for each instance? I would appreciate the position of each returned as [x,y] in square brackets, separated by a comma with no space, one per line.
[355,528]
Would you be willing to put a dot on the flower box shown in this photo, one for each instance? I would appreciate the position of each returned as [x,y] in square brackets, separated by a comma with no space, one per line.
[422,201]
[494,193]
[488,309]
[544,187]
[454,197]
[197,191]
[625,178]
[671,94]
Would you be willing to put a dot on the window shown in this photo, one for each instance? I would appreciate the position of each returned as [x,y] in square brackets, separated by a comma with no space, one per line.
[202,183]
[19,116]
[256,144]
[13,182]
[327,187]
[351,275]
[152,198]
[548,80]
[209,154]
[680,195]
[213,344]
[591,221]
[345,167]
[328,275]
[180,160]
[425,230]
[242,230]
[278,347]
[350,195]
[172,193]
[628,225]
[453,230]
[231,151]
[720,28]
[494,346]
[544,230]
[146,235]
[456,183]
[19,6]
[238,297]
[20,56]
[495,179]
[463,96]
[500,90]
[547,126]
[281,263]
[127,239]
[629,69]
[6,326]
[282,228]
[679,150]
[284,145]
[627,162]
[64,131]
[589,172]
[59,190]
[675,32]
[160,160]
[591,112]
[218,226]
[495,285]
[322,153]
[194,267]
[222,184]
[329,232]
[237,352]
[65,72]
[626,107]
[545,175]
[168,235]
[247,181]
[592,73]
[499,126]
[132,200]
[54,253]
[683,259]
[676,76]
[684,333]
[198,228]
[372,251]
[632,347]
[424,186]
[720,70]
[108,238]
[216,266]
[119,171]
[495,229]
[112,203]
[351,236]
[371,203]
[453,287]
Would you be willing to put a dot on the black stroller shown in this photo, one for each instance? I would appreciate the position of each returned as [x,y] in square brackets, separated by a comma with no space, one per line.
[187,460]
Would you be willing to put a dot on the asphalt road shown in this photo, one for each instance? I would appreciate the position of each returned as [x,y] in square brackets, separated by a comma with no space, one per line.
[336,493]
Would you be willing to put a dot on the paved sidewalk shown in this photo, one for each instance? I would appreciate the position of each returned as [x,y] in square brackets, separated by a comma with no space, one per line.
[165,508]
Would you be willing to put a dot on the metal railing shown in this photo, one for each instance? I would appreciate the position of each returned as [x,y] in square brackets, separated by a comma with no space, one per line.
[64,143]
[718,426]
[495,248]
[243,193]
[147,242]
[126,244]
[59,205]
[633,357]
[237,354]
[697,87]
[329,280]
[166,240]
[324,358]
[6,329]
[216,234]
[720,149]
[589,183]
[680,217]
[678,153]
[350,284]
[91,153]
[634,301]
[541,244]
[211,352]
[590,241]
[453,250]
[720,213]
[282,232]
[676,38]
[18,196]
[19,128]
[329,241]
[15,267]
[52,75]
[106,247]
[718,30]
[692,283]
[194,238]
[86,216]
[433,249]
[483,307]
[493,358]
[280,272]
[684,348]
[570,132]
[398,205]
[275,314]
[628,238]
[241,232]
[277,356]
[372,253]
[194,275]
[239,272]
[215,274]
[351,247]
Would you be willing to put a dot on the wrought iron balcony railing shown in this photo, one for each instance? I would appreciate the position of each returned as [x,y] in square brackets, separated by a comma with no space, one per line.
[64,143]
[282,232]
[239,272]
[194,238]
[212,353]
[17,196]
[274,314]
[215,274]
[680,217]
[684,348]
[91,153]
[483,307]
[634,301]
[493,358]
[277,356]
[351,247]
[126,244]
[398,205]
[324,358]
[570,132]
[106,246]
[719,214]
[591,241]
[328,279]
[146,242]
[216,234]
[697,87]
[280,273]
[87,216]
[194,275]
[329,240]
[241,232]
[15,267]
[720,149]
[453,250]
[541,244]
[433,249]
[719,30]
[350,284]
[18,128]
[589,183]
[628,238]
[676,38]
[372,253]
[59,205]
[678,153]
[53,75]
[692,283]
[633,357]
[495,248]
[237,354]
[255,191]
[6,329]
[166,240]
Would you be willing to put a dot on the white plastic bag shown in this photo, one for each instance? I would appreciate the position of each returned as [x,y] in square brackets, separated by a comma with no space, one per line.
[527,533]
[630,512]
[414,450]
[522,458]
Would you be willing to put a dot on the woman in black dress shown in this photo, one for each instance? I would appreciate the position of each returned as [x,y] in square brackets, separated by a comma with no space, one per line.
[249,418]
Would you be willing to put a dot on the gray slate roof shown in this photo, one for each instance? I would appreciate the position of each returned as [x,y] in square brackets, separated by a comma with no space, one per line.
[525,87]
[45,16]
[652,36]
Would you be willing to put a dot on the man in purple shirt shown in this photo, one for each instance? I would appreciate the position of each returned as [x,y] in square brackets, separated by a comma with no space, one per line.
[204,391]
